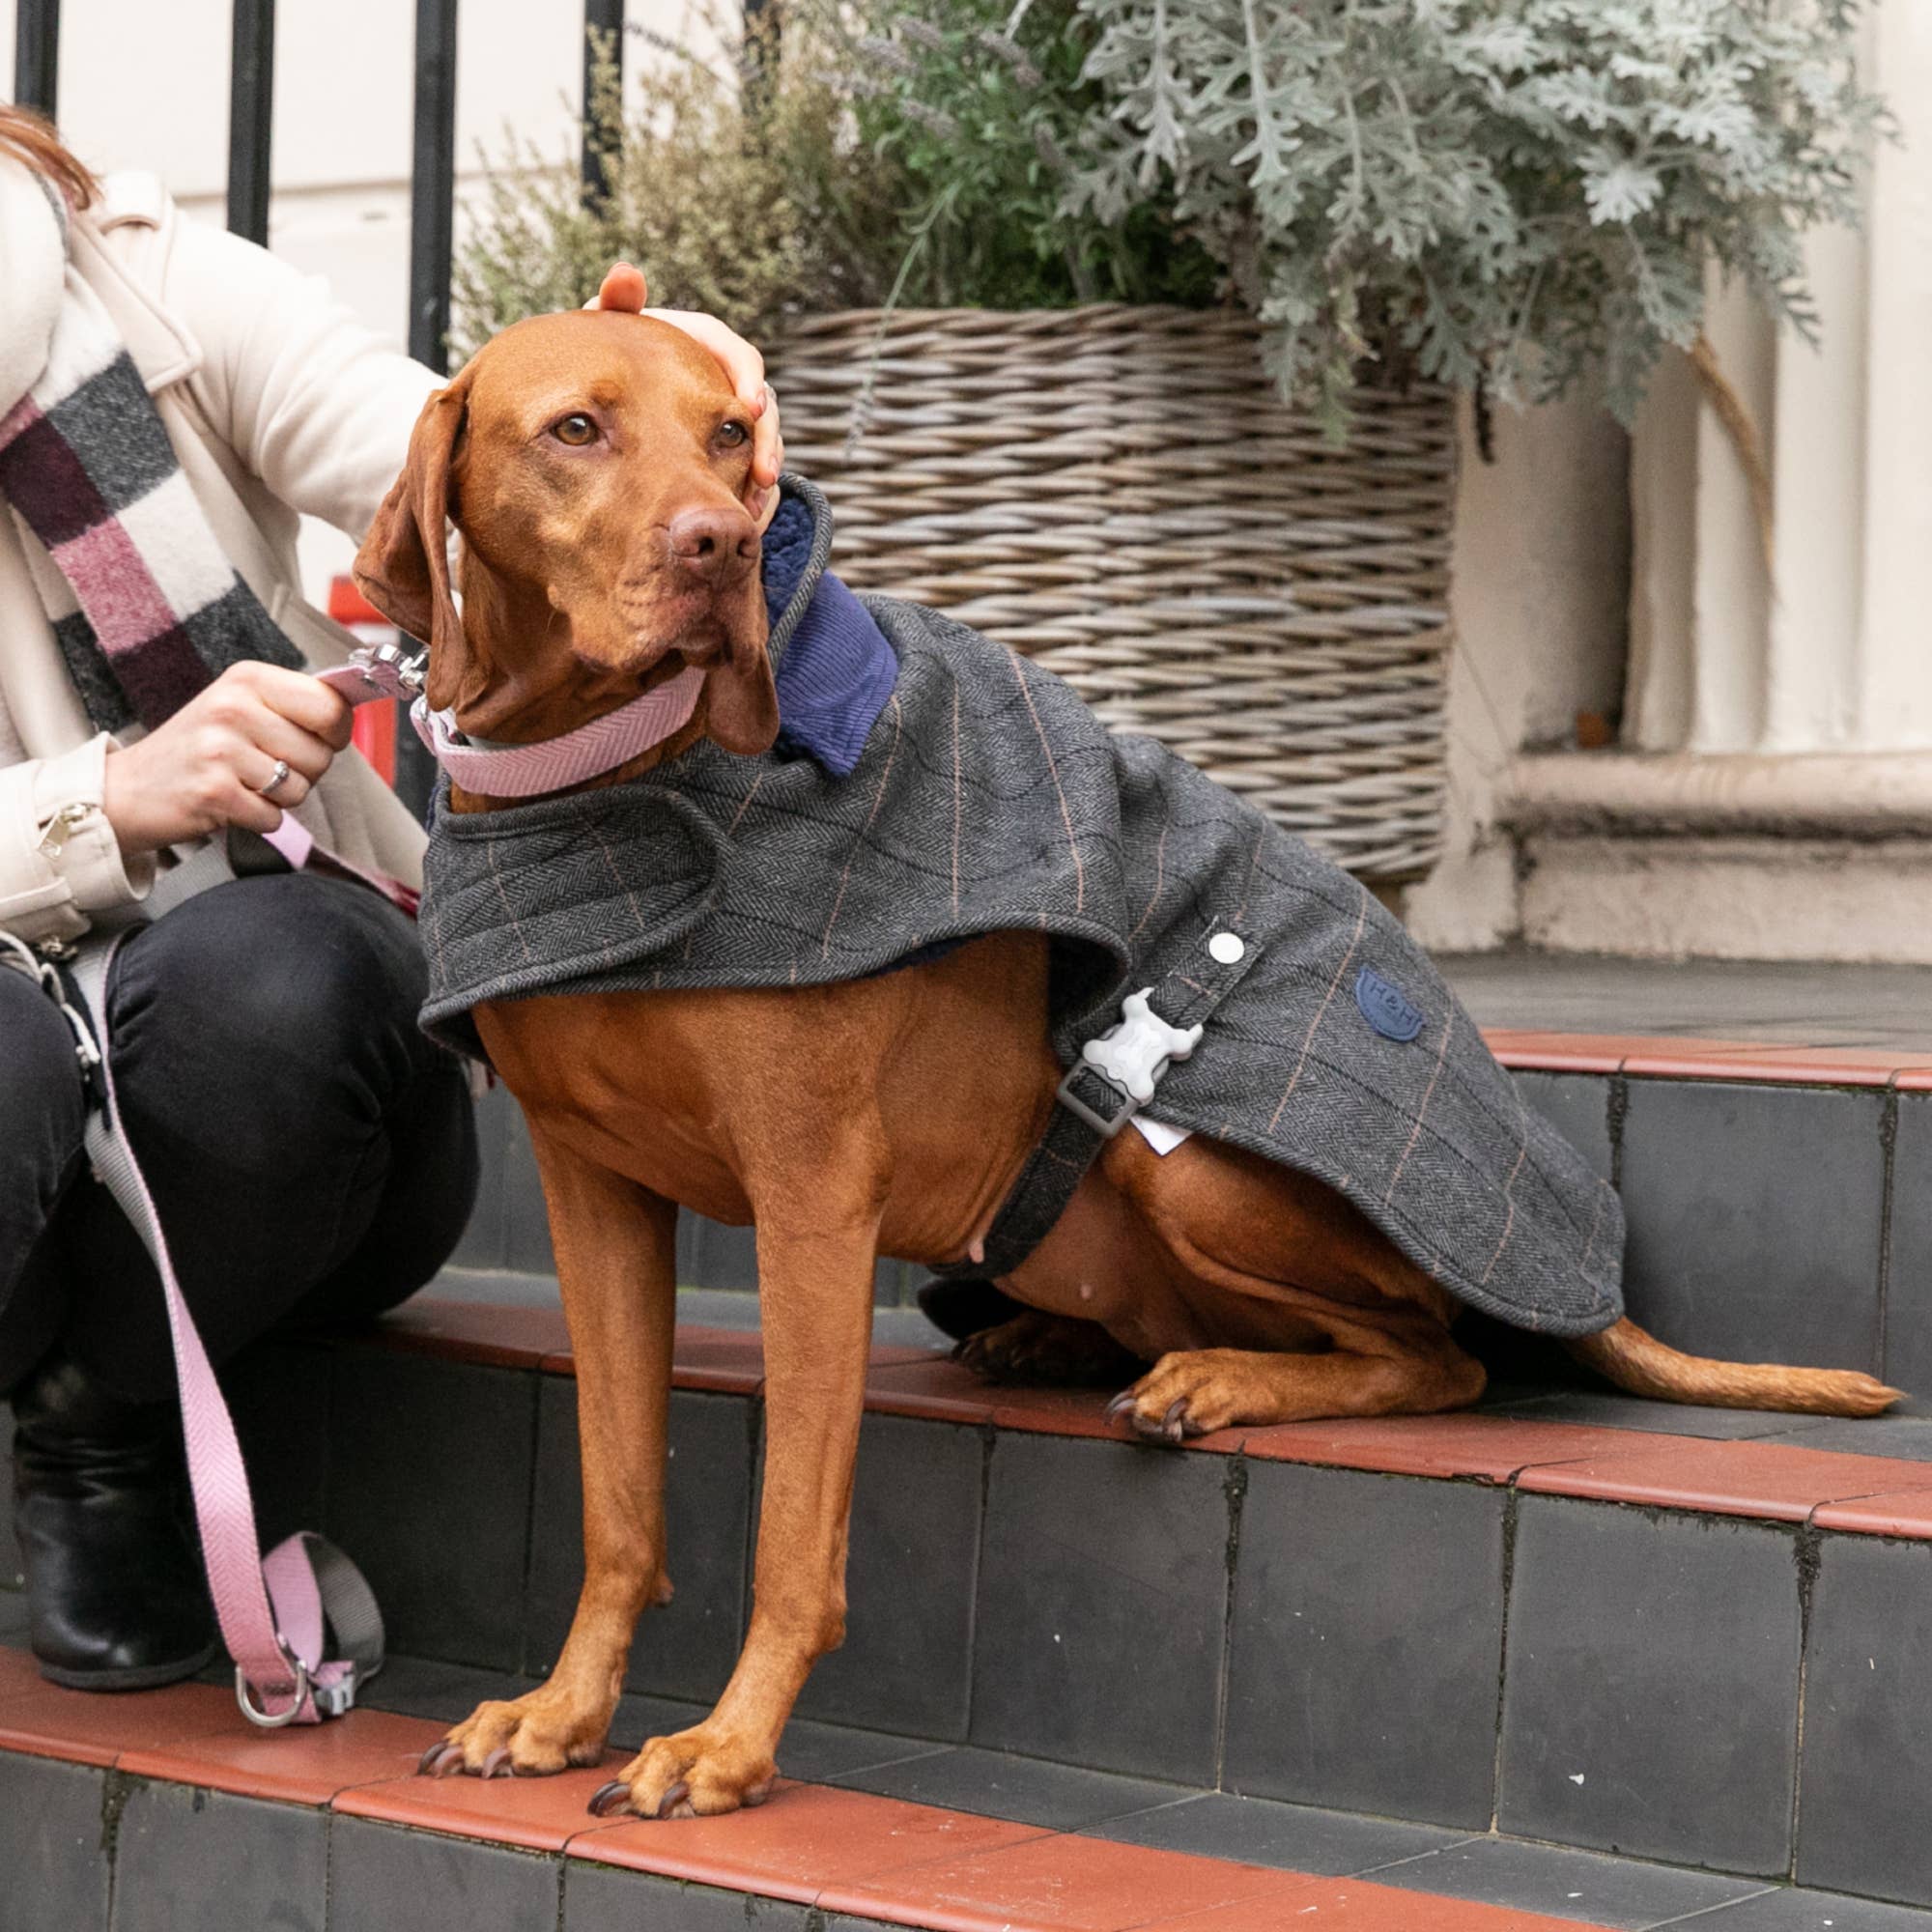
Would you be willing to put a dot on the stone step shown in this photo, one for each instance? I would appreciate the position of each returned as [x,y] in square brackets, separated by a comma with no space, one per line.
[1700,1638]
[165,1810]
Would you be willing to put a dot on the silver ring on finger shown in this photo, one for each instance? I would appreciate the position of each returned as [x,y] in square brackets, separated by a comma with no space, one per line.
[277,779]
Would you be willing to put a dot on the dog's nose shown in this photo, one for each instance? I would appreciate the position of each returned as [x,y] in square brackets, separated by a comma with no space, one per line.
[713,544]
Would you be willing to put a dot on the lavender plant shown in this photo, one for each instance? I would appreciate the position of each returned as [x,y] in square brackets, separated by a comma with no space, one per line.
[1516,194]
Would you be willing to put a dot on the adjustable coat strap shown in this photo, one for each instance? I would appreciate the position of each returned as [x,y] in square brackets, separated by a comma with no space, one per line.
[274,1616]
[1093,1106]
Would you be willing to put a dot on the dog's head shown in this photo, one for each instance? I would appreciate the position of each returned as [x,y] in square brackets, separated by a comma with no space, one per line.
[595,464]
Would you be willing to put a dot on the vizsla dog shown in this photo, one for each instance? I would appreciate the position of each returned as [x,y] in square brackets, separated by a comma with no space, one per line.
[593,465]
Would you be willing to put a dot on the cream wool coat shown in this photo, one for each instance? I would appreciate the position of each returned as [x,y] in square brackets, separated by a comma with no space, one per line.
[278,403]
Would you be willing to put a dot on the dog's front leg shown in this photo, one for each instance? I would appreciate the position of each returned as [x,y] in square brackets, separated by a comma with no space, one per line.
[816,1290]
[617,1260]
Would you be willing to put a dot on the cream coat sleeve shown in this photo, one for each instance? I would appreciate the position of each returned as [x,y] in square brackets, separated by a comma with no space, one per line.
[315,404]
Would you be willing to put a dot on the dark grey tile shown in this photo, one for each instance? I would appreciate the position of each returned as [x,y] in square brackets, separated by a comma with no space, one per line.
[184,1857]
[428,1490]
[1102,1603]
[1755,1219]
[278,1394]
[1907,1437]
[1650,1704]
[721,1257]
[1795,1909]
[602,1898]
[1908,1321]
[485,1242]
[1797,1003]
[527,1246]
[1367,1633]
[1259,1832]
[638,1719]
[906,1661]
[50,1846]
[1629,1412]
[450,1885]
[687,1648]
[422,1687]
[1577,1105]
[1624,1895]
[1058,1796]
[1869,1721]
[9,1544]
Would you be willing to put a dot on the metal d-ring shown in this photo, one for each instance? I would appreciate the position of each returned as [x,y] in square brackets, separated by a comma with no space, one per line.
[258,1714]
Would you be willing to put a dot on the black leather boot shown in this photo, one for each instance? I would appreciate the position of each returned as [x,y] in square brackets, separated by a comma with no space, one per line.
[116,1597]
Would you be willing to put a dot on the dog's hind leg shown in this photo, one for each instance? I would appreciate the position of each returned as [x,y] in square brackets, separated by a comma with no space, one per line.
[1197,1390]
[1056,1351]
[816,1290]
[616,1262]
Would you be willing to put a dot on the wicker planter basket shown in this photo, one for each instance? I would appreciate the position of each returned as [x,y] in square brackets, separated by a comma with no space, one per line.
[1118,493]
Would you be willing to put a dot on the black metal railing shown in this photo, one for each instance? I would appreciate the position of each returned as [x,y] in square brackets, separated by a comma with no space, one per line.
[251,132]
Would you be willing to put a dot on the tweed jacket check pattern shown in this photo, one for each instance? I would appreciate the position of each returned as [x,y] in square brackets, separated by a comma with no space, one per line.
[145,607]
[987,797]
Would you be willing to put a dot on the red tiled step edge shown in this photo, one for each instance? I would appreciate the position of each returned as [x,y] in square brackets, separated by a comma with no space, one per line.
[1667,1057]
[1784,1481]
[841,1851]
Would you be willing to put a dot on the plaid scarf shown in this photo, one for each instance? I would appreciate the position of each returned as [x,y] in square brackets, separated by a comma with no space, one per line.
[145,608]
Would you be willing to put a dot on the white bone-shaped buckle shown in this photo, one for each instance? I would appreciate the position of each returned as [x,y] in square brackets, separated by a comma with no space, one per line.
[1131,1057]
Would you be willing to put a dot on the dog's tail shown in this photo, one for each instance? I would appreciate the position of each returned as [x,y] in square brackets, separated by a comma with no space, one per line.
[1642,1365]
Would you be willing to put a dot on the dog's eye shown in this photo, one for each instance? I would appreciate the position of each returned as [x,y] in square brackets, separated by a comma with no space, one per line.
[577,431]
[733,435]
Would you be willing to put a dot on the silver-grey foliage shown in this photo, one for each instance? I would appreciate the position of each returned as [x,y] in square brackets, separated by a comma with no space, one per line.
[1518,192]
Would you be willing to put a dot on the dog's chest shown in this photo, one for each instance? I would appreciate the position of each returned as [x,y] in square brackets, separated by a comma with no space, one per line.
[618,1079]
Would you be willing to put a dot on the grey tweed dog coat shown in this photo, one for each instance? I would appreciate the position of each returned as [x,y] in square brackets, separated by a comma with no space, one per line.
[980,794]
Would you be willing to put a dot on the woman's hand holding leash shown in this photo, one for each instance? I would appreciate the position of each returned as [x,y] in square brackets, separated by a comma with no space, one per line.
[254,742]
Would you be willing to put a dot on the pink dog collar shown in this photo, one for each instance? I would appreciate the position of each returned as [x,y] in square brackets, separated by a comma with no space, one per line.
[521,771]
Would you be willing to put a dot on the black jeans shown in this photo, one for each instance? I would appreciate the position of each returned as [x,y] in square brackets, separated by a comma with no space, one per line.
[312,1156]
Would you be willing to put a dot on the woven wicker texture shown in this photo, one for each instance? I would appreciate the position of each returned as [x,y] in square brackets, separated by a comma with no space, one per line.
[1118,493]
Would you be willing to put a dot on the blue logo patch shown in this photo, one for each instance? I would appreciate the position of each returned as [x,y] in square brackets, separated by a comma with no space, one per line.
[1384,1007]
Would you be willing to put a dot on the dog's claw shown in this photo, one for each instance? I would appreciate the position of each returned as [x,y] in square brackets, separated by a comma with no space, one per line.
[673,1798]
[608,1800]
[498,1760]
[1120,1405]
[426,1764]
[1171,1428]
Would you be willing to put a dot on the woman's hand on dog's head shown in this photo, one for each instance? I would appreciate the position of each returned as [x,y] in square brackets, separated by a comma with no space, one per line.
[624,290]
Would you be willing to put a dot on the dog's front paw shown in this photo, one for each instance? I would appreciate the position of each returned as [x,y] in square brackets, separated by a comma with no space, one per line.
[697,1773]
[532,1736]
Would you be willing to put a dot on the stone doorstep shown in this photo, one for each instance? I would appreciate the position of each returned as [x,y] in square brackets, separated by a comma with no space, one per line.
[203,1820]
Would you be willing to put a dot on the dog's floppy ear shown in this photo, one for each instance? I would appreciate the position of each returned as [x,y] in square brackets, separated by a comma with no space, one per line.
[742,708]
[403,567]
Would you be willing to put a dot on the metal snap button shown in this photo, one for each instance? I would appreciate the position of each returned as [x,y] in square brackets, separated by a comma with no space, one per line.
[1226,948]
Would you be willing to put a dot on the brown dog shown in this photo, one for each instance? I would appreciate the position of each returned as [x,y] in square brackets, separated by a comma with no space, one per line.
[593,463]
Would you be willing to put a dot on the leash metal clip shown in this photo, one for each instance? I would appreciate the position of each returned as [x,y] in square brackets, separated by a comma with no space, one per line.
[259,1714]
[1130,1058]
[390,669]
